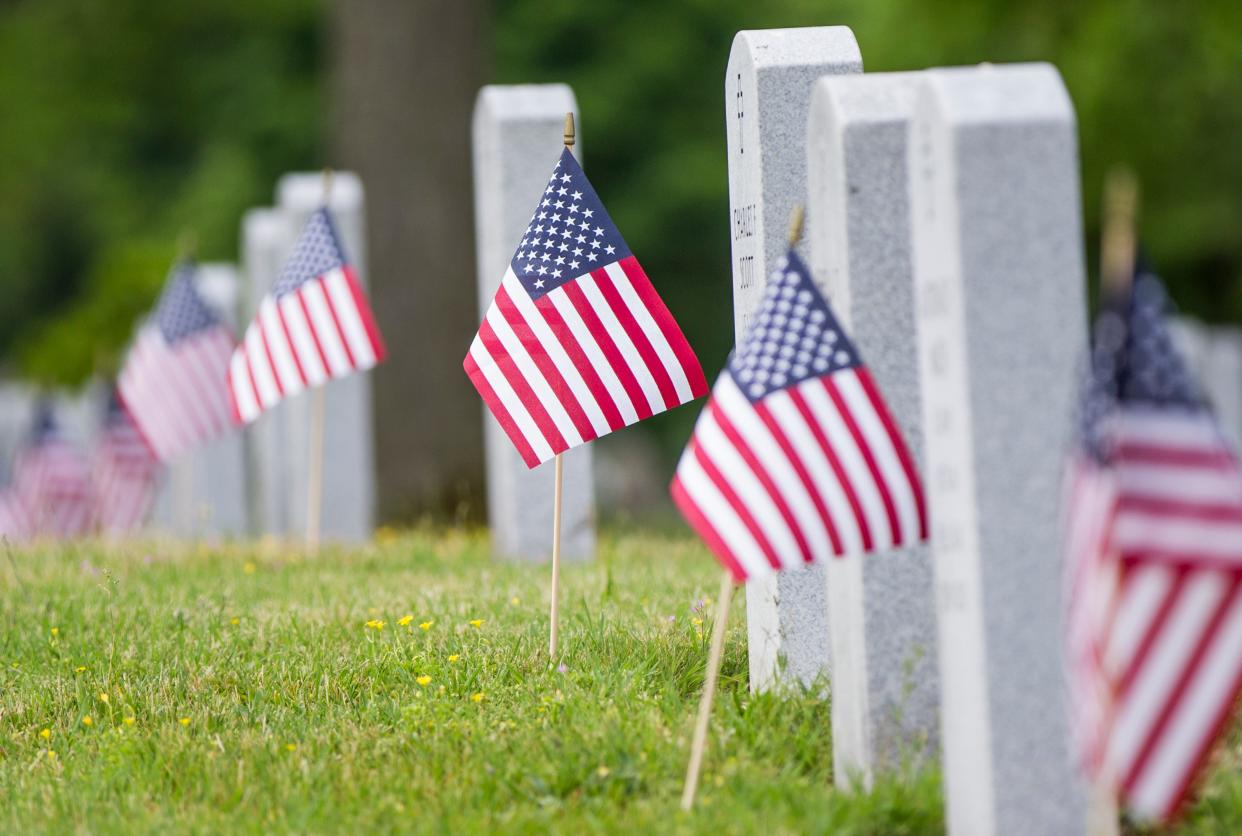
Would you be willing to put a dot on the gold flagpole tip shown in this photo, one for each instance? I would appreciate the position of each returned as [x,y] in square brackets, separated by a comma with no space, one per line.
[796,220]
[1119,228]
[569,130]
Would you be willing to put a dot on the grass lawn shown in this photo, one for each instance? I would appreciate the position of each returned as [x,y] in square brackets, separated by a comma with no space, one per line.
[405,686]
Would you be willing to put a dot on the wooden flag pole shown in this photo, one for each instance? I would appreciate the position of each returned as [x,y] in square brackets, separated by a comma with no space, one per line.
[1118,246]
[554,615]
[709,692]
[314,477]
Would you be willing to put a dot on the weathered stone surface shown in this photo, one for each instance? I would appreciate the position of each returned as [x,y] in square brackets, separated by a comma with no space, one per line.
[998,267]
[518,132]
[767,95]
[882,615]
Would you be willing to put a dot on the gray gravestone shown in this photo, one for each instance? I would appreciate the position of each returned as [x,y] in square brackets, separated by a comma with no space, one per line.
[266,238]
[1222,372]
[882,614]
[348,504]
[204,493]
[998,267]
[767,95]
[518,135]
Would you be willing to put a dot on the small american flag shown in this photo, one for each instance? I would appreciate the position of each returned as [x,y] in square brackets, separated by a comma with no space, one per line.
[796,456]
[14,520]
[314,326]
[52,481]
[1154,563]
[576,342]
[173,381]
[125,470]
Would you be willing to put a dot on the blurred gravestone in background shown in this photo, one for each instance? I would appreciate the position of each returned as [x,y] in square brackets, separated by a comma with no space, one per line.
[403,87]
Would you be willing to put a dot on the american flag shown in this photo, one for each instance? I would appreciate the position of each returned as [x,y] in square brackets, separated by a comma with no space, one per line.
[14,520]
[314,326]
[125,470]
[1154,563]
[796,456]
[52,481]
[576,342]
[173,381]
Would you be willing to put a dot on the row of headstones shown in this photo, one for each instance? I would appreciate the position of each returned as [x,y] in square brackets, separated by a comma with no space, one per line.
[253,482]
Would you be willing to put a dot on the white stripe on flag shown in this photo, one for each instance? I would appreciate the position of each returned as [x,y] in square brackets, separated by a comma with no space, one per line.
[260,369]
[649,327]
[533,376]
[302,339]
[1140,600]
[324,328]
[348,315]
[243,391]
[716,509]
[512,403]
[738,410]
[582,335]
[555,351]
[622,340]
[278,345]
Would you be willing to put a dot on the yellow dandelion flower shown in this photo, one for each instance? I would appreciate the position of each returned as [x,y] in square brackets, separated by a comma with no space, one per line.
[250,568]
[51,754]
[477,697]
[234,621]
[478,622]
[426,625]
[55,631]
[87,721]
[454,657]
[515,600]
[103,696]
[45,734]
[185,721]
[603,771]
[80,669]
[291,747]
[696,621]
[424,680]
[129,721]
[376,624]
[405,620]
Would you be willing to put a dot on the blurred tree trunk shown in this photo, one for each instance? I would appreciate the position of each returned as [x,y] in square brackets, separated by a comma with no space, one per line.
[405,77]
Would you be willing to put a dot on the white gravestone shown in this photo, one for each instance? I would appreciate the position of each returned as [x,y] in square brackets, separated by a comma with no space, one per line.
[266,238]
[204,493]
[998,266]
[518,135]
[882,614]
[348,503]
[767,95]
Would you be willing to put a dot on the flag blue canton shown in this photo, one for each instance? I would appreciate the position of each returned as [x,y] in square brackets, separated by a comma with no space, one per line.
[569,235]
[181,311]
[45,427]
[794,336]
[317,252]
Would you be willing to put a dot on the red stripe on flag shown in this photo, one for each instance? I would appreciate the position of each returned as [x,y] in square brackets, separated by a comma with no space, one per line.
[293,351]
[1201,511]
[1190,666]
[863,374]
[1213,458]
[807,482]
[336,320]
[509,370]
[761,473]
[735,502]
[539,355]
[860,441]
[1154,629]
[667,324]
[314,335]
[655,366]
[363,306]
[703,527]
[267,354]
[812,424]
[565,337]
[497,407]
[616,362]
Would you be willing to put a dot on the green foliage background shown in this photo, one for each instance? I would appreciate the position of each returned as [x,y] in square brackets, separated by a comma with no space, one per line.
[123,122]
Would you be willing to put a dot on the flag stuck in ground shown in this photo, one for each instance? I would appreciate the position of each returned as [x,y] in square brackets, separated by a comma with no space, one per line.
[124,471]
[1153,564]
[796,457]
[577,343]
[314,326]
[173,381]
